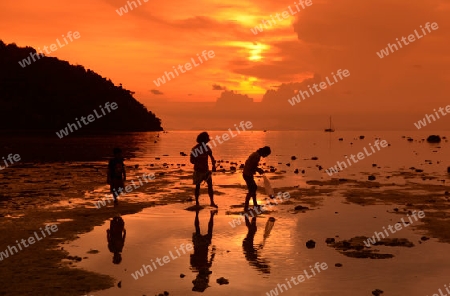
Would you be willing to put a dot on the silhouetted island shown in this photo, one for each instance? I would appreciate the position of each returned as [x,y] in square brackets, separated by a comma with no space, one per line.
[48,94]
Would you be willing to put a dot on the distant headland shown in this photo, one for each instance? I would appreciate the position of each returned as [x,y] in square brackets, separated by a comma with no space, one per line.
[49,94]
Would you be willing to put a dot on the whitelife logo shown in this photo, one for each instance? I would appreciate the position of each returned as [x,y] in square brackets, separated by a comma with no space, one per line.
[187,66]
[140,273]
[342,165]
[423,123]
[30,240]
[11,158]
[224,137]
[322,85]
[377,235]
[122,10]
[53,47]
[284,14]
[90,118]
[411,38]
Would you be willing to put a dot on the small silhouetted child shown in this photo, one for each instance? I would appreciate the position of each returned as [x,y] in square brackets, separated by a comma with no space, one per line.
[116,174]
[199,158]
[250,168]
[115,236]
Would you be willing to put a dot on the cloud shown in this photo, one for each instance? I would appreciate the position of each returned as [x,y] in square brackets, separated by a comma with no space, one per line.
[218,87]
[156,92]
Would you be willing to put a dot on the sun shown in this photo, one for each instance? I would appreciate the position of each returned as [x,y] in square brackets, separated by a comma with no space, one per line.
[256,50]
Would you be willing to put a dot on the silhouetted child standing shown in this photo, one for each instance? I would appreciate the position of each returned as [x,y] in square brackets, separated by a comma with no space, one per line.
[116,174]
[199,158]
[250,168]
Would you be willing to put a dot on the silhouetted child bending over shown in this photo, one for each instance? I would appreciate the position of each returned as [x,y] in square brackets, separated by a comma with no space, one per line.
[250,168]
[199,158]
[116,174]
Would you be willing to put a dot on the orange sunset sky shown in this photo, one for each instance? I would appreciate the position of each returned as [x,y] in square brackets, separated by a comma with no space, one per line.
[255,75]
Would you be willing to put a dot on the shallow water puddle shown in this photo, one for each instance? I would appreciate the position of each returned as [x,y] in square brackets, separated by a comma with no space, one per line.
[254,261]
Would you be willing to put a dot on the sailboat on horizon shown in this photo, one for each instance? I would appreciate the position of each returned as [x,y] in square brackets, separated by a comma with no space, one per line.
[331,129]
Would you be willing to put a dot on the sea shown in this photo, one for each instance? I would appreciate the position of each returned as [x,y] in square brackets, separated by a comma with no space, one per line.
[253,263]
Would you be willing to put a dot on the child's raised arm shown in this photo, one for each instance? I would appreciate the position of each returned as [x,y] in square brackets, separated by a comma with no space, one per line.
[213,161]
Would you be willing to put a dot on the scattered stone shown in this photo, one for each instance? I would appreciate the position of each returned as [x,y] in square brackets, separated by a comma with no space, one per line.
[371,178]
[395,209]
[74,258]
[93,251]
[330,240]
[301,208]
[310,244]
[182,275]
[296,171]
[374,164]
[338,265]
[233,169]
[355,247]
[222,281]
[377,292]
[434,139]
[293,157]
[183,154]
[119,284]
[341,139]
[303,171]
[424,238]
[448,170]
[361,137]
[419,171]
[314,158]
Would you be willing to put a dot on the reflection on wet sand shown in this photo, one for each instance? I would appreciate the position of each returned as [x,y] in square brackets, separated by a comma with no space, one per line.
[115,236]
[250,252]
[199,260]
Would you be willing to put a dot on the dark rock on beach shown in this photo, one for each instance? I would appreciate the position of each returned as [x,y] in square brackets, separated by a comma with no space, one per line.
[310,244]
[434,139]
[371,178]
[301,208]
[330,240]
[377,292]
[222,281]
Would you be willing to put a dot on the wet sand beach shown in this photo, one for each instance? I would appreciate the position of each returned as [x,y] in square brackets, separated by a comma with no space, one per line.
[333,212]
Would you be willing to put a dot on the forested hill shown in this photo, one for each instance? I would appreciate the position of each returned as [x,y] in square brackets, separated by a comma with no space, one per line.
[48,93]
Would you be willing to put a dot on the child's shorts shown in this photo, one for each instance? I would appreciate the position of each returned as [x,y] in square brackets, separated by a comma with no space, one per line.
[199,177]
[251,184]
